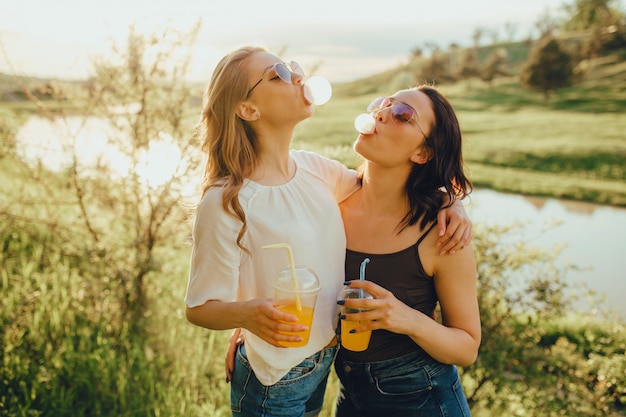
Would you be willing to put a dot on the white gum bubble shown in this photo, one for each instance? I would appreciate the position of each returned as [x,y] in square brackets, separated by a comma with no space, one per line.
[365,123]
[320,89]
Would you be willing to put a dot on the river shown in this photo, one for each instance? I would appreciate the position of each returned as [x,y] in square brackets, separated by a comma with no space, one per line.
[593,237]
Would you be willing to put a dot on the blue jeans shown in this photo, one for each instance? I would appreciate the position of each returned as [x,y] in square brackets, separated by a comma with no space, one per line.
[300,393]
[411,385]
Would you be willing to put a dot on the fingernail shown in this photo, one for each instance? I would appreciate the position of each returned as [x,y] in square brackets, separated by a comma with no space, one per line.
[353,331]
[341,302]
[342,317]
[347,283]
[227,380]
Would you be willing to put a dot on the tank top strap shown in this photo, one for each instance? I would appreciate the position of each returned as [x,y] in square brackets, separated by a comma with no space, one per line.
[423,236]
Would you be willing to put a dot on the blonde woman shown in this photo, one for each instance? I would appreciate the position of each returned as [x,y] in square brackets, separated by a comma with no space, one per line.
[257,191]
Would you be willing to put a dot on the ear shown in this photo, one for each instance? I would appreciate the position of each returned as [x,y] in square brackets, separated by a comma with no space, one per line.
[247,112]
[422,156]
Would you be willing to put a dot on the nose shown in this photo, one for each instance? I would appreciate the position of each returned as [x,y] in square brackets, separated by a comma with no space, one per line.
[381,114]
[296,79]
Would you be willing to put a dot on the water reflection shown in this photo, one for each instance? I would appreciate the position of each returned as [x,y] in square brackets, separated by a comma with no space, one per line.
[95,144]
[593,236]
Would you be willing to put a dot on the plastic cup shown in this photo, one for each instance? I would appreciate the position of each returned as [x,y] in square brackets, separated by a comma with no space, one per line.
[298,301]
[356,342]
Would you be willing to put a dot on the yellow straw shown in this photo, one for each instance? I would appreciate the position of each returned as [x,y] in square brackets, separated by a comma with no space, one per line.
[292,265]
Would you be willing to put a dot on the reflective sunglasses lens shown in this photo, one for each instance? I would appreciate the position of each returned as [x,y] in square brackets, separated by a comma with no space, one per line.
[402,112]
[296,68]
[283,72]
[378,104]
[399,111]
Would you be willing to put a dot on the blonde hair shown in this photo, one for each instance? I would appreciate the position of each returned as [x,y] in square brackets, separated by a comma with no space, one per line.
[229,142]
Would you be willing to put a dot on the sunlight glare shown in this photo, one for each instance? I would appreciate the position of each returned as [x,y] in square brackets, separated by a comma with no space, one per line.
[160,162]
[57,145]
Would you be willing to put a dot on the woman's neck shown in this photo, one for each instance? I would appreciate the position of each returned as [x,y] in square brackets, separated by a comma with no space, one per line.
[383,191]
[275,166]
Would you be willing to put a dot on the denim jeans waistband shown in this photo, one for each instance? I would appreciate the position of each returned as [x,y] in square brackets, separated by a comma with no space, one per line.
[417,359]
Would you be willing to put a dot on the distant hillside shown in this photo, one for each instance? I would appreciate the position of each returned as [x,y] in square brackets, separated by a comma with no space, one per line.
[607,71]
[611,68]
[10,82]
[385,81]
[12,87]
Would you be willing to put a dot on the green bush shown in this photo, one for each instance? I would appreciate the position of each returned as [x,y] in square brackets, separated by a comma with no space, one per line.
[68,349]
[538,357]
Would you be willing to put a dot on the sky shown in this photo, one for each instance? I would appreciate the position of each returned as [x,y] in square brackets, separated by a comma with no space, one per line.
[343,39]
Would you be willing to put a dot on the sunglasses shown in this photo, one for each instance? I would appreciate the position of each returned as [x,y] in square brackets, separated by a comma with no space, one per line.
[400,112]
[281,70]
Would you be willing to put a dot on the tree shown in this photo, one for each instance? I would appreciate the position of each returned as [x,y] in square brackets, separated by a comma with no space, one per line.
[549,68]
[468,66]
[546,24]
[510,29]
[84,247]
[477,36]
[144,96]
[436,68]
[495,65]
[590,14]
[417,53]
[494,34]
[127,203]
[602,19]
[605,39]
[453,57]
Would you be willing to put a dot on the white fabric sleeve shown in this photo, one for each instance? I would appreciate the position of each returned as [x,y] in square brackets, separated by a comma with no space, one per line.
[215,257]
[340,178]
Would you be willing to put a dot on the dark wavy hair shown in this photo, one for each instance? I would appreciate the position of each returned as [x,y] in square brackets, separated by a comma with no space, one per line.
[443,174]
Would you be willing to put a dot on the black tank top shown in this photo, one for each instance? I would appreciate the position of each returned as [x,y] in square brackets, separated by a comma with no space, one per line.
[401,273]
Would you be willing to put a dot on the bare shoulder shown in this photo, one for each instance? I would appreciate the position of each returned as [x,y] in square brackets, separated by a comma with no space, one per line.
[428,251]
[434,262]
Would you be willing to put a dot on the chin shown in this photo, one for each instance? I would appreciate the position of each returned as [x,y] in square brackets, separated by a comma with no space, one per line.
[359,147]
[304,116]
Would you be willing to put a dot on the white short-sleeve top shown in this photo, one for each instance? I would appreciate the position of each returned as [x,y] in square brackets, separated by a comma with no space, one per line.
[303,213]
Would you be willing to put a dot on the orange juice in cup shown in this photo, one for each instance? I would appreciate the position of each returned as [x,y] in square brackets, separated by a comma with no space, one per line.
[356,342]
[295,292]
